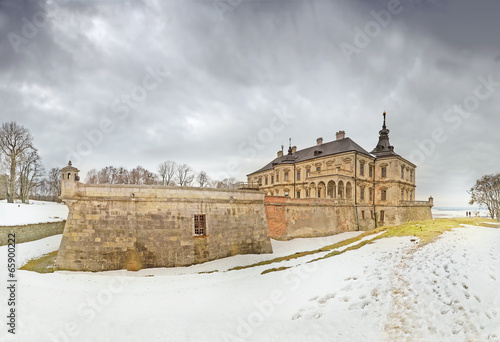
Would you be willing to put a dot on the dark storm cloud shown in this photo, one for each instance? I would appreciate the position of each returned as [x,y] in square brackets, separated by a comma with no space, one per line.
[237,79]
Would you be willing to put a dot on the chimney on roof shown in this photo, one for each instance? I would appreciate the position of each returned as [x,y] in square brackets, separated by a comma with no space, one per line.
[319,141]
[340,135]
[280,154]
[294,149]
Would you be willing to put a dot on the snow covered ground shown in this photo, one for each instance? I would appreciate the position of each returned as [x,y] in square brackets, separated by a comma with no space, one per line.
[12,214]
[390,290]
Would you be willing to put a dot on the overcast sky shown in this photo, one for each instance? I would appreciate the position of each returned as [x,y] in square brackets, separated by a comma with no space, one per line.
[222,85]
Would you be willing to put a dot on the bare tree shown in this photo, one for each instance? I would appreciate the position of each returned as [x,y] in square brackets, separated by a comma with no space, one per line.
[140,175]
[108,175]
[184,175]
[226,183]
[92,177]
[166,170]
[14,141]
[122,176]
[203,179]
[486,192]
[53,183]
[30,173]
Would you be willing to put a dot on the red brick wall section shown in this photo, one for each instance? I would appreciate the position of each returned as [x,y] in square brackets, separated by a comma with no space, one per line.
[276,216]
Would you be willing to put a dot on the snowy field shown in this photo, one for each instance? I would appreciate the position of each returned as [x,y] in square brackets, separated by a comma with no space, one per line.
[387,291]
[12,214]
[390,290]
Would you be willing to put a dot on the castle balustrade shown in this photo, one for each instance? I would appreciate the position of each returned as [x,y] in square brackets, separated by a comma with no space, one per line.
[332,172]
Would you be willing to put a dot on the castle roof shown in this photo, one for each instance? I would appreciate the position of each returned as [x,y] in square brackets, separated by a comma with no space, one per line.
[317,151]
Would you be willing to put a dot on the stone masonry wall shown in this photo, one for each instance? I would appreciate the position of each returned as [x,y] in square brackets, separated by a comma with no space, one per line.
[31,232]
[113,227]
[290,218]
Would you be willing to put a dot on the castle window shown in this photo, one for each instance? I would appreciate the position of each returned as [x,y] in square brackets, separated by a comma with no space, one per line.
[272,179]
[286,176]
[200,225]
[277,177]
[307,192]
[411,195]
[383,195]
[362,169]
[363,214]
[384,171]
[308,170]
[411,175]
[265,180]
[402,195]
[382,215]
[298,175]
[370,171]
[371,213]
[69,175]
[362,194]
[286,193]
[402,172]
[371,194]
[318,169]
[319,193]
[298,193]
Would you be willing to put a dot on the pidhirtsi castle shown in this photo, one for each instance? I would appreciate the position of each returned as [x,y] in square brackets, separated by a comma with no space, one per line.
[322,190]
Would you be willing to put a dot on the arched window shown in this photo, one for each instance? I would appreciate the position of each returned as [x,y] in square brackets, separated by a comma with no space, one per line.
[332,189]
[348,190]
[341,190]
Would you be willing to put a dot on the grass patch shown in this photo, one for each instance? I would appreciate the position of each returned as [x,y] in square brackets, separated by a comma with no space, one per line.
[302,254]
[275,269]
[44,264]
[427,231]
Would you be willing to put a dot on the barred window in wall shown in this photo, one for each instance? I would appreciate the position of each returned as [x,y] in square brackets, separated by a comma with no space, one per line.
[200,225]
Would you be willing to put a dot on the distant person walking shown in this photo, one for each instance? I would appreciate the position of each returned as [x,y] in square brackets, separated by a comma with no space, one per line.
[467,214]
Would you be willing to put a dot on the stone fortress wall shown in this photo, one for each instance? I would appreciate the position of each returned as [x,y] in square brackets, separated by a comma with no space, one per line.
[290,218]
[112,227]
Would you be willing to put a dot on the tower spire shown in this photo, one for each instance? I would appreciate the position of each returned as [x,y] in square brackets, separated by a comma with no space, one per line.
[383,147]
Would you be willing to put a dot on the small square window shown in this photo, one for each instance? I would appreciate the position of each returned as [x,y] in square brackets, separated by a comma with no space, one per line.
[200,225]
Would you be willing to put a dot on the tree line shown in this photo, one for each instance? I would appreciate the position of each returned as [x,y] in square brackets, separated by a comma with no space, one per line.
[23,176]
[168,173]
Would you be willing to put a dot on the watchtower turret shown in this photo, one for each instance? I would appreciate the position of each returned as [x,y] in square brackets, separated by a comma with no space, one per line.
[69,180]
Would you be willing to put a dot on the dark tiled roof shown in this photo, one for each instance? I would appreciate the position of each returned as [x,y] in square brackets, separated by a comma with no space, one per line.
[327,149]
